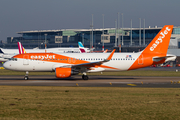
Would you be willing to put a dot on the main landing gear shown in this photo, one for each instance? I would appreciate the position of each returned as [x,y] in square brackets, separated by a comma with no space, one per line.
[85,77]
[26,76]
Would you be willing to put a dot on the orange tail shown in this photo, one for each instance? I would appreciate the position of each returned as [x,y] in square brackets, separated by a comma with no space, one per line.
[159,45]
[155,52]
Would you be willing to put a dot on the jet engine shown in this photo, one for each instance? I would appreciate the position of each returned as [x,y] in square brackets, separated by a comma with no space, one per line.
[65,72]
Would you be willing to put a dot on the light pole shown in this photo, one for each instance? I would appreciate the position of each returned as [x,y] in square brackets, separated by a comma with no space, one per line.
[83,38]
[119,34]
[144,42]
[45,42]
[131,32]
[103,34]
[140,31]
[115,33]
[92,32]
[122,31]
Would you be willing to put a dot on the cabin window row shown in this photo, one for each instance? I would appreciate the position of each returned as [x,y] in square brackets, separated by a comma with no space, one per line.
[98,59]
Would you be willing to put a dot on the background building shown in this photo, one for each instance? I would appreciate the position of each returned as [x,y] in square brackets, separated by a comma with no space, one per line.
[130,39]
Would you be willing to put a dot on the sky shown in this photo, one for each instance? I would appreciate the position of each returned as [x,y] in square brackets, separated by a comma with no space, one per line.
[26,15]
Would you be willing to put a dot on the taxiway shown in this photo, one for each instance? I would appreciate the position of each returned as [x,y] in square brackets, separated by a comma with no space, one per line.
[94,81]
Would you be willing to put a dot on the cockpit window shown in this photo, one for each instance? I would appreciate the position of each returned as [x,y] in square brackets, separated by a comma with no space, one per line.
[13,59]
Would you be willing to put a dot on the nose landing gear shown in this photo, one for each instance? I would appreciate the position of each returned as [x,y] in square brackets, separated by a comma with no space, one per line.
[26,76]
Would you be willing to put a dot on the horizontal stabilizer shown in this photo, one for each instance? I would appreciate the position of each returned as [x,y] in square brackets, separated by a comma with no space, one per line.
[171,58]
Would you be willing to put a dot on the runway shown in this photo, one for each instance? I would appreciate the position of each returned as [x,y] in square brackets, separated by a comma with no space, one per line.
[94,81]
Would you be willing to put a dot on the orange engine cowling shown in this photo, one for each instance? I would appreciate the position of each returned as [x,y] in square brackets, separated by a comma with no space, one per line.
[63,72]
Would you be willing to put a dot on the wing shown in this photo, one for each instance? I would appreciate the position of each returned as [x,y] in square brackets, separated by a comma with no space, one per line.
[90,64]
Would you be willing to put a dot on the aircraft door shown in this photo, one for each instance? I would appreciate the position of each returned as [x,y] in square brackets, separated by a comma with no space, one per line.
[140,60]
[26,60]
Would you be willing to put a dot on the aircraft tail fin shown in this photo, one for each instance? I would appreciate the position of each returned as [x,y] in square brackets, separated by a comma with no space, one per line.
[160,43]
[1,51]
[81,47]
[21,48]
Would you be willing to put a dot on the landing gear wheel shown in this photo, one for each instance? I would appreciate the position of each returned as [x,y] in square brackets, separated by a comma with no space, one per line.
[26,78]
[85,77]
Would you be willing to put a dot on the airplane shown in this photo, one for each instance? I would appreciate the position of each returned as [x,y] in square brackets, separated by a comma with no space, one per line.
[6,54]
[67,64]
[81,47]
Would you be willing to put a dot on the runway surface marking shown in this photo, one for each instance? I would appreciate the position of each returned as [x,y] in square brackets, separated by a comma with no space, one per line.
[132,84]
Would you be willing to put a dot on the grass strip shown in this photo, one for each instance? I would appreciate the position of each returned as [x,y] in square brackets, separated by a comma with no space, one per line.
[32,102]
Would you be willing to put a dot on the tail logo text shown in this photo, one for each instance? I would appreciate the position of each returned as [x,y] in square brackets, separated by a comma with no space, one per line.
[160,39]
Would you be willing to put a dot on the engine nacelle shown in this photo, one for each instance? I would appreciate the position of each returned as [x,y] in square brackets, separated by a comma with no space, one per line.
[63,72]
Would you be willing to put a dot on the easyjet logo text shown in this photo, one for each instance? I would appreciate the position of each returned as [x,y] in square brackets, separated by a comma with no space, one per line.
[160,39]
[42,56]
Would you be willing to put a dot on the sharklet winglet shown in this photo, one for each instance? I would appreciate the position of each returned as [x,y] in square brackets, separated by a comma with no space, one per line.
[110,56]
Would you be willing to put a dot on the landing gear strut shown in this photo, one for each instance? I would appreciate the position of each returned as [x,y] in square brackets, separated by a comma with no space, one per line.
[85,77]
[26,76]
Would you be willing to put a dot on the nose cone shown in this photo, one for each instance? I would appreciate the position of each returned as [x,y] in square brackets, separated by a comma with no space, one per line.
[6,65]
